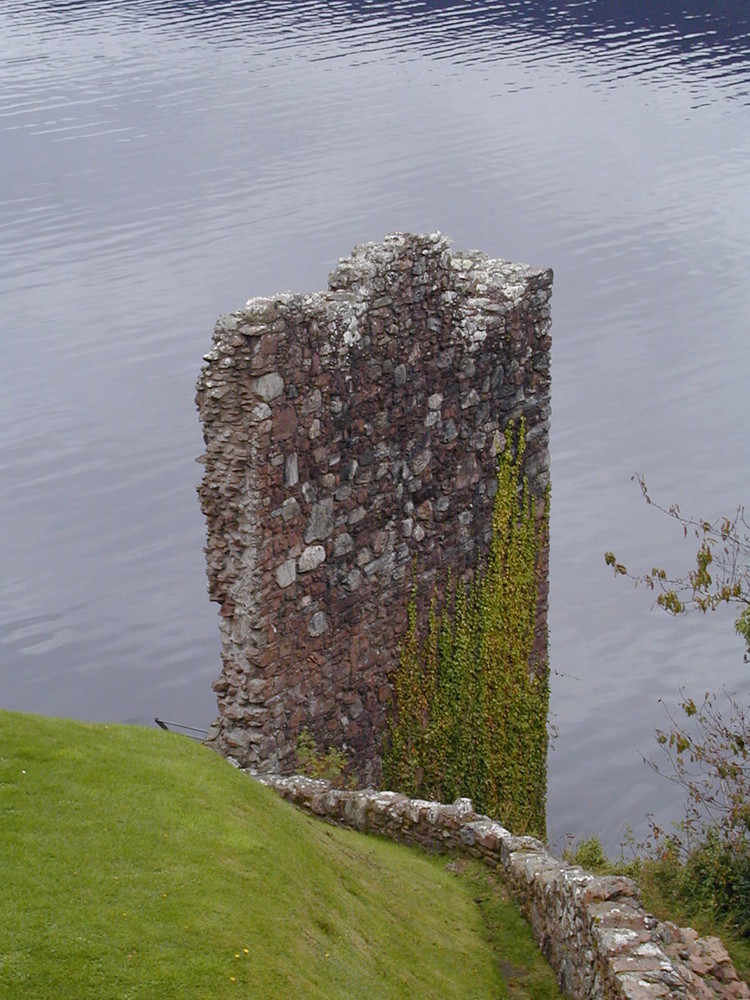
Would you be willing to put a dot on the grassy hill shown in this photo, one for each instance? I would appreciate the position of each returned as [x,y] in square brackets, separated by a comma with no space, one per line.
[137,864]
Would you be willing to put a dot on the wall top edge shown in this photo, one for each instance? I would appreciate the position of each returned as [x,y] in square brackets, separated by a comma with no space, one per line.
[463,280]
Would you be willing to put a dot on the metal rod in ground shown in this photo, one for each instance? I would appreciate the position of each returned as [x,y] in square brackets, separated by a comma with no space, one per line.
[170,726]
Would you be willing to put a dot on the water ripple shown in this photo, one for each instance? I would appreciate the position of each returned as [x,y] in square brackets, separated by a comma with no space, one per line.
[163,161]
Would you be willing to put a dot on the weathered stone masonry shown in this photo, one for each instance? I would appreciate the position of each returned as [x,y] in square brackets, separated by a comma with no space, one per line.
[593,929]
[350,435]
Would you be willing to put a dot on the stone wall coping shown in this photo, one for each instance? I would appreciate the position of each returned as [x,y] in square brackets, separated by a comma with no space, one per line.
[592,929]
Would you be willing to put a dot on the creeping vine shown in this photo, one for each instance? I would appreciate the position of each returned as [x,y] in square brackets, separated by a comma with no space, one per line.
[469,714]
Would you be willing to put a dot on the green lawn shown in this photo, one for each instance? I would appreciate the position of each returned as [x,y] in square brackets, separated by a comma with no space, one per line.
[135,863]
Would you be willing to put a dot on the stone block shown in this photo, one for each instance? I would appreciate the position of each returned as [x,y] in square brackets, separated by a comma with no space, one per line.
[269,387]
[311,558]
[318,625]
[321,521]
[286,573]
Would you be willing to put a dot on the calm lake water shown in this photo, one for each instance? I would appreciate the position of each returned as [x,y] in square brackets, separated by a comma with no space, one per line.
[162,162]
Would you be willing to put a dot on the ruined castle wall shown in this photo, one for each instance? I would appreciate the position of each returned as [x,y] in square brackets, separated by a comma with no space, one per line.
[350,436]
[592,929]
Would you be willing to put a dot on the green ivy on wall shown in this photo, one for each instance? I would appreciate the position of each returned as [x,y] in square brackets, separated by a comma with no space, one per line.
[469,715]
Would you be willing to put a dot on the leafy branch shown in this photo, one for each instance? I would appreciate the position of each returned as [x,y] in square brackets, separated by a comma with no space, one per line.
[722,566]
[706,750]
[709,757]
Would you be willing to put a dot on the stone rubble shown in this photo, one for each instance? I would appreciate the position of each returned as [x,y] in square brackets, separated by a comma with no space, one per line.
[592,929]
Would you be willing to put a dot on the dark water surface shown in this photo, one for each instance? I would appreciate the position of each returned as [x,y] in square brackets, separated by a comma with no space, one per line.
[162,162]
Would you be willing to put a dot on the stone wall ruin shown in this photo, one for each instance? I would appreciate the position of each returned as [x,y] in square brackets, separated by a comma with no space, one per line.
[592,929]
[351,439]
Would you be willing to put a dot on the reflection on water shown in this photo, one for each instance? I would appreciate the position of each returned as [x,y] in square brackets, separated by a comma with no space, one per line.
[161,162]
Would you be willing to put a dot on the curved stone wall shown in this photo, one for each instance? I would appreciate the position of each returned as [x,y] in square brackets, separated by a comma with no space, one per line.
[592,929]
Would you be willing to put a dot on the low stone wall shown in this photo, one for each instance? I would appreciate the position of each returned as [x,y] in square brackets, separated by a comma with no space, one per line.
[592,929]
